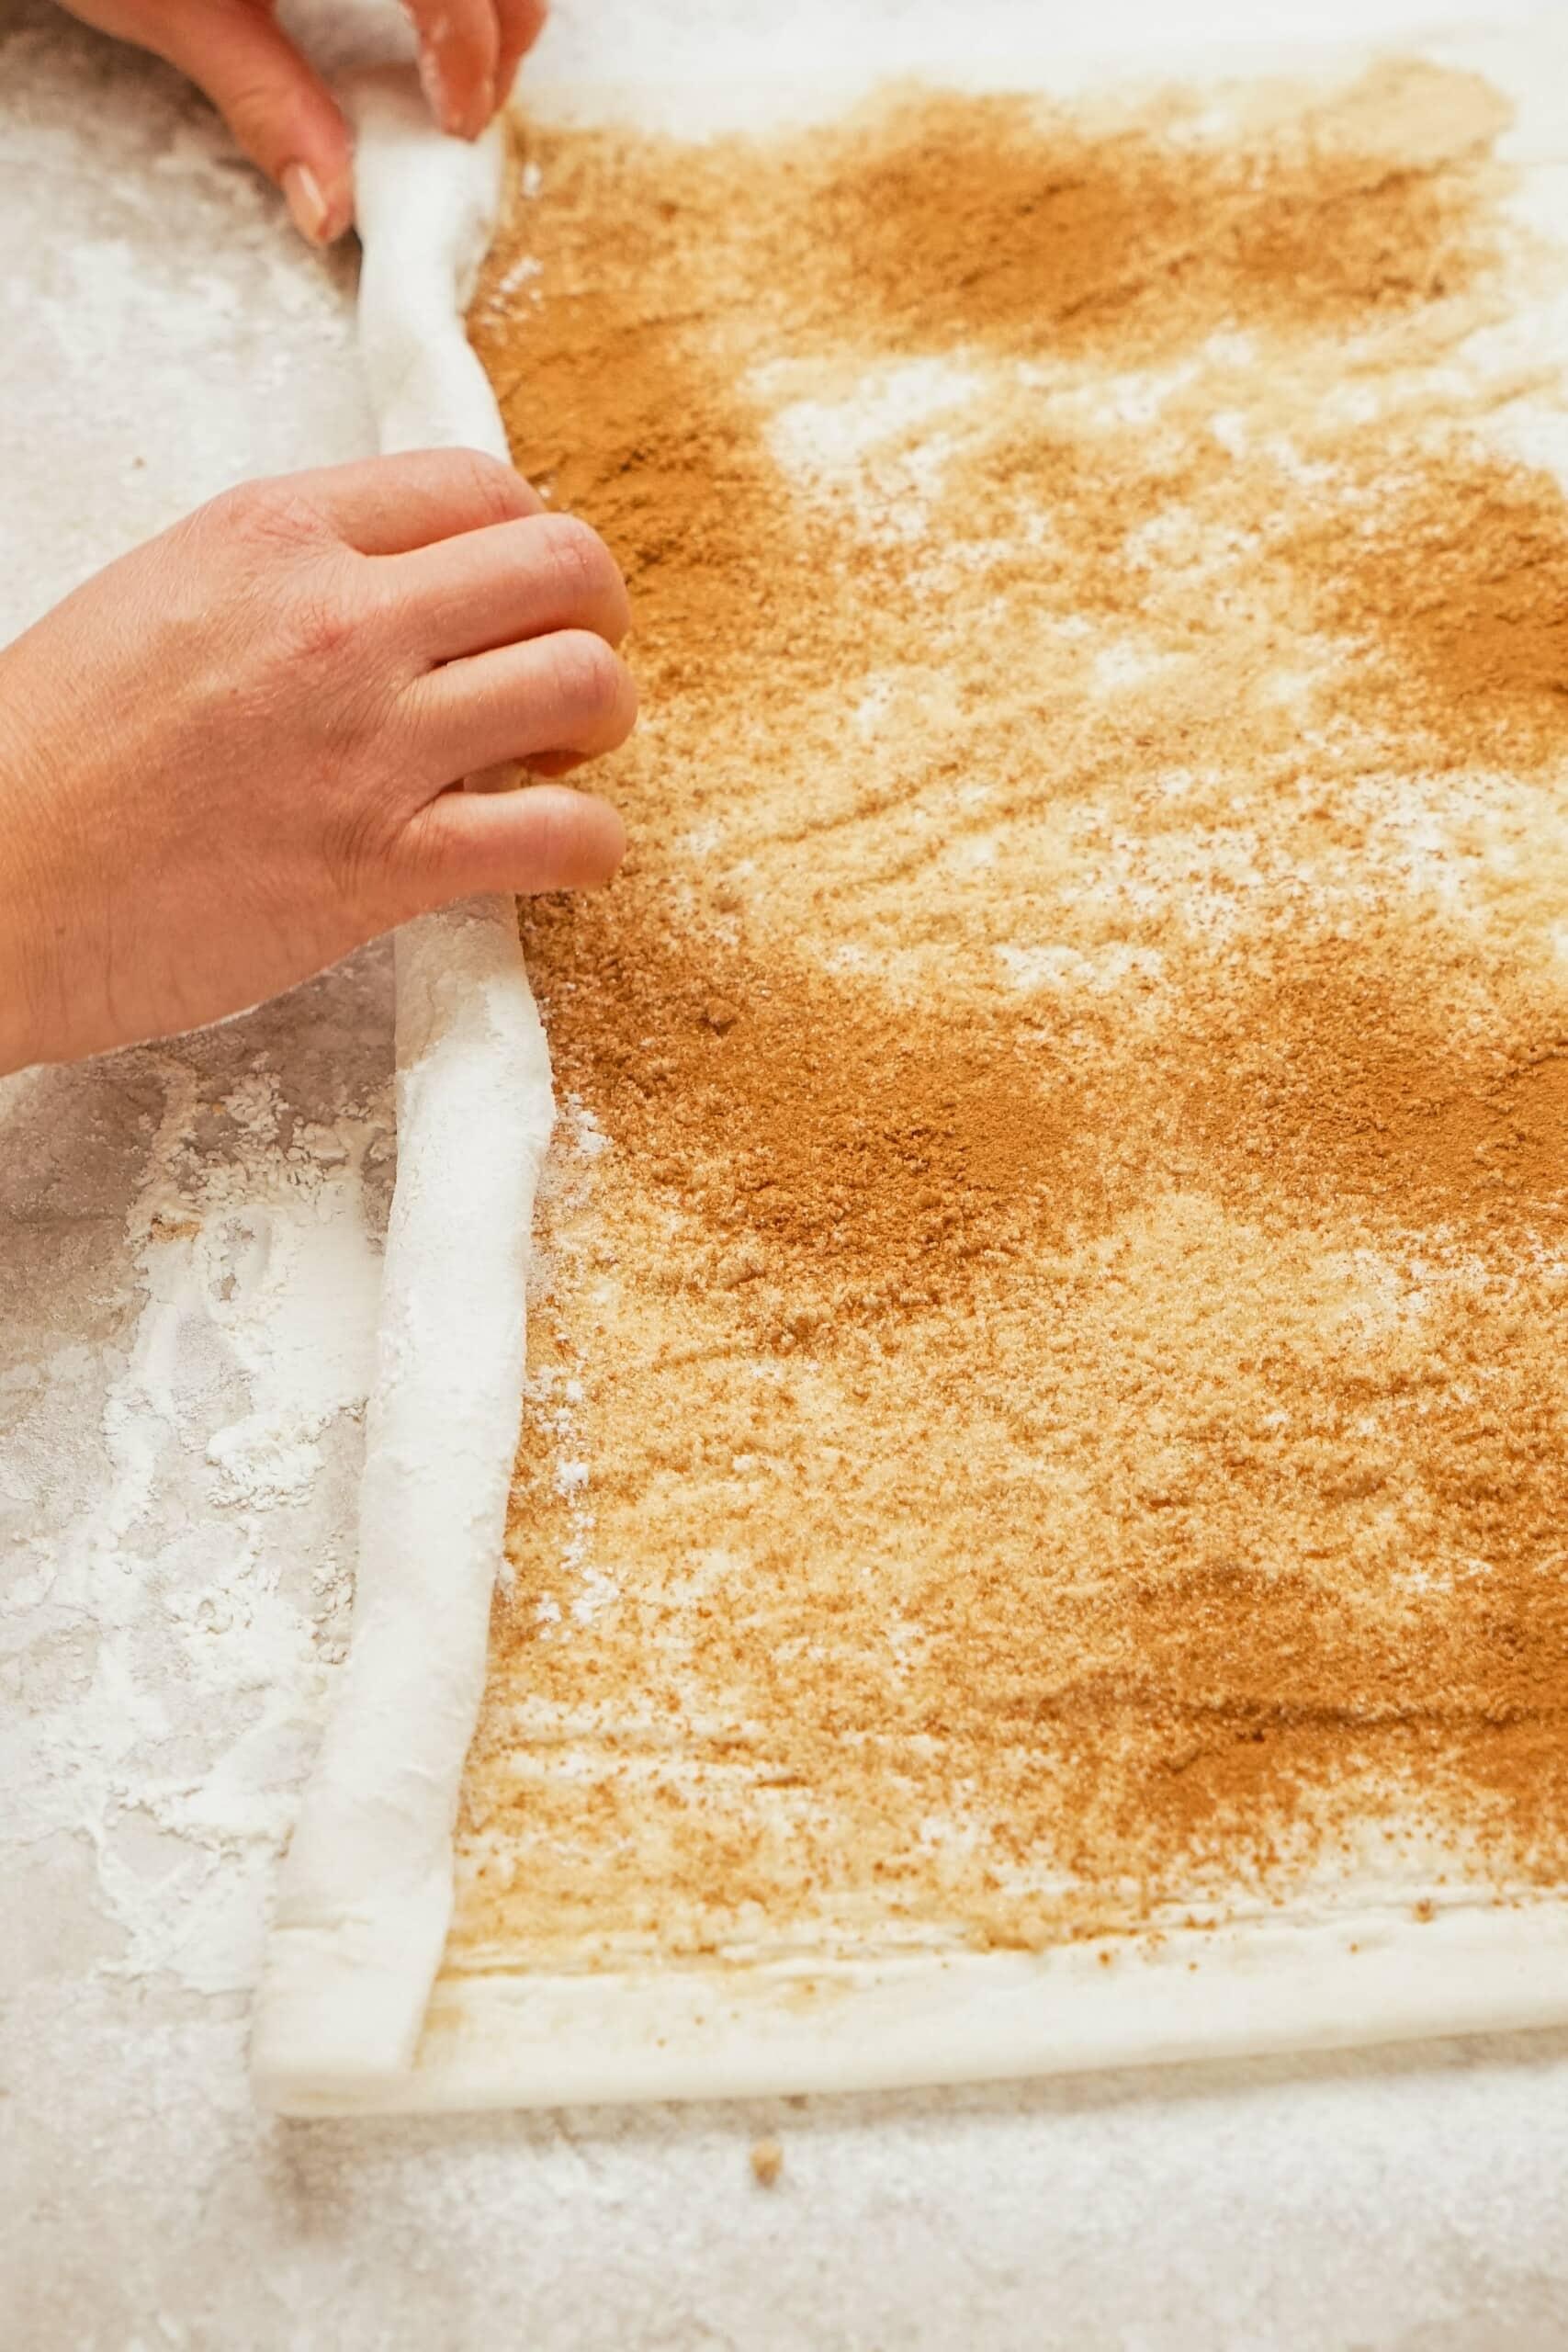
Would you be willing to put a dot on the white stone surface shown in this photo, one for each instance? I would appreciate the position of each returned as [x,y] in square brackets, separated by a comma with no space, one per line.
[187,1264]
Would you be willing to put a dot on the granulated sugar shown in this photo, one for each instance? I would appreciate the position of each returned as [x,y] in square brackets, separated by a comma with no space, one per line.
[1058,1339]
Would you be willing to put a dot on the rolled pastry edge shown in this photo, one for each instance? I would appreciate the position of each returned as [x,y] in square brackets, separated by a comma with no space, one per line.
[365,1892]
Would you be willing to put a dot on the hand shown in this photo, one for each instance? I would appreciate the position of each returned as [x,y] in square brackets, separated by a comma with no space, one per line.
[280,111]
[231,757]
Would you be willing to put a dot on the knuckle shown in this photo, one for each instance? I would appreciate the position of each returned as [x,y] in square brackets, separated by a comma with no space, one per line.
[361,843]
[264,510]
[251,111]
[581,563]
[323,627]
[234,513]
[316,618]
[588,676]
[266,520]
[407,856]
[488,484]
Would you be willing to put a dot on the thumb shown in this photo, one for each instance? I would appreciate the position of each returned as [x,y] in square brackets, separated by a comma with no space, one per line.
[542,836]
[277,106]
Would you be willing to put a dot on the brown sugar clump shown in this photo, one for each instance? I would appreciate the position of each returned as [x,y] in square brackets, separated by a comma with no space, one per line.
[767,2163]
[1048,1402]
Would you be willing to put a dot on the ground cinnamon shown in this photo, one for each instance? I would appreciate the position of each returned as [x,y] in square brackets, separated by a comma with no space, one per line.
[1048,1396]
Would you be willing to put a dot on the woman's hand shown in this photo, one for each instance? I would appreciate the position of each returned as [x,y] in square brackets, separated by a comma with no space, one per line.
[280,111]
[228,758]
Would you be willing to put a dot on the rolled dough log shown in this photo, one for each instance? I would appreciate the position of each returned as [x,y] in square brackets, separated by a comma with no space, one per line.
[366,1891]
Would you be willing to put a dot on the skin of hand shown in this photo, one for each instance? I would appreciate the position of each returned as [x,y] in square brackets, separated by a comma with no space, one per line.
[279,109]
[237,752]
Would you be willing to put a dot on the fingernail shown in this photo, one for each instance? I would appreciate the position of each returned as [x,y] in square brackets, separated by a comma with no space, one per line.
[433,81]
[306,205]
[475,118]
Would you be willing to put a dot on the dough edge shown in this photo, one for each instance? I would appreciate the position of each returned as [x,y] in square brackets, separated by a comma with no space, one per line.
[364,1894]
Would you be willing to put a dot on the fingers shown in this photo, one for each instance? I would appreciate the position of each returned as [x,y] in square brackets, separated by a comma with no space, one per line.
[522,21]
[389,505]
[468,53]
[459,52]
[567,693]
[545,837]
[277,106]
[487,588]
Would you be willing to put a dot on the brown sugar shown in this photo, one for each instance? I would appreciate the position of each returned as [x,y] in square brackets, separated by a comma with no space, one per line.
[1048,1392]
[1453,578]
[1049,231]
[767,2163]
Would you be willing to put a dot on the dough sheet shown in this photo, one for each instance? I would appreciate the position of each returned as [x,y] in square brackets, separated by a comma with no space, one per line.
[1036,1537]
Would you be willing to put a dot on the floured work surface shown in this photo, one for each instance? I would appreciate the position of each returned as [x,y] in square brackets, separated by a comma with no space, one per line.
[1047,1405]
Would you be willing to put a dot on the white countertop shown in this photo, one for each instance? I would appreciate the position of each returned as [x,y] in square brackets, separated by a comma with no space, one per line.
[187,1266]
